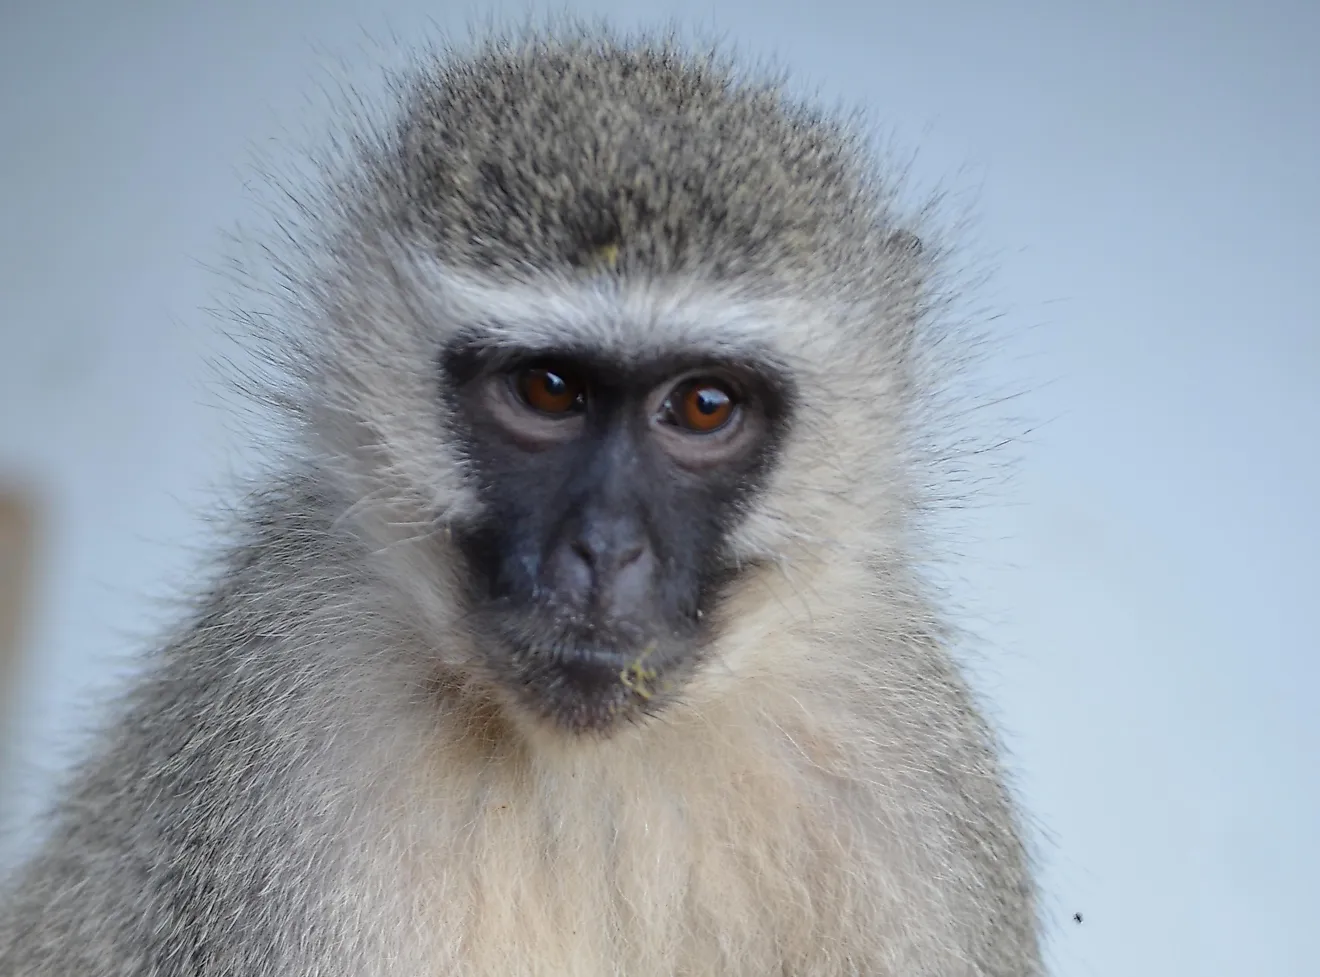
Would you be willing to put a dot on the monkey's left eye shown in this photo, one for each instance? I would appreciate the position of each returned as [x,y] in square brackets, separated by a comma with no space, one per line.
[701,406]
[550,391]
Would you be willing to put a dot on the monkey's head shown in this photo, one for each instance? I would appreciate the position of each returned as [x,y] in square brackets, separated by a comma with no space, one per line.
[603,340]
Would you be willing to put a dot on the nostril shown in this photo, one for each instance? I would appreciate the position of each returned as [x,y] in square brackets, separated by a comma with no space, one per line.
[628,590]
[570,572]
[584,552]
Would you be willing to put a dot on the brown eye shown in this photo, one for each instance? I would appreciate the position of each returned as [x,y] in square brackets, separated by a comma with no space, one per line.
[550,391]
[701,406]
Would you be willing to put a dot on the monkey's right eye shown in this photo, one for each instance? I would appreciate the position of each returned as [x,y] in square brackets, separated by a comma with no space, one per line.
[550,391]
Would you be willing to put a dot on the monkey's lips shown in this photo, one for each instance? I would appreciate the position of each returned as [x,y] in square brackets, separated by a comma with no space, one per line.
[589,678]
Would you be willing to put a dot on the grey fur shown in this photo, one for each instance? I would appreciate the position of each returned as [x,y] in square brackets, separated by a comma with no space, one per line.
[313,779]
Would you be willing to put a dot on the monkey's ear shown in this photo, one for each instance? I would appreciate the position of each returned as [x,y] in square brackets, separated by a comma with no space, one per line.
[908,260]
[907,279]
[905,242]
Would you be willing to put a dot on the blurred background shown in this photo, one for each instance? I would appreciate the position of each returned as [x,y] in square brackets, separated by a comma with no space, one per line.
[1142,178]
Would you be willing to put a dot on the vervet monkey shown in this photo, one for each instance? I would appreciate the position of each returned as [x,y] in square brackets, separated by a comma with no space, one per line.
[583,632]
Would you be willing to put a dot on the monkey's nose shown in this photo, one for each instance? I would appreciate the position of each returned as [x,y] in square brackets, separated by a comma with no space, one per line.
[600,554]
[609,565]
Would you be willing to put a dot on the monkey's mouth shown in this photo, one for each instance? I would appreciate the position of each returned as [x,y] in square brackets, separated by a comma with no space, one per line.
[590,679]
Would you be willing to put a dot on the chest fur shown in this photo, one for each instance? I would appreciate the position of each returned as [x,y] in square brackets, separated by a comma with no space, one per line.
[684,865]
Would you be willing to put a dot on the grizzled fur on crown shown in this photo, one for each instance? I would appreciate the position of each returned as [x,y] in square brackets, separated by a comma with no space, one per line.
[542,152]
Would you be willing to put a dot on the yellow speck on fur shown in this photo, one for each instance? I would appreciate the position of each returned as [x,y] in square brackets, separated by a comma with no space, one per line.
[637,678]
[609,255]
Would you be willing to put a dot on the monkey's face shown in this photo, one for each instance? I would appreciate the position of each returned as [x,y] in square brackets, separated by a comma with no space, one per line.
[608,490]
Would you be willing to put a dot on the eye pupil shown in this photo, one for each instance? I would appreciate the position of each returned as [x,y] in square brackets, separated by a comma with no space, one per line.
[709,401]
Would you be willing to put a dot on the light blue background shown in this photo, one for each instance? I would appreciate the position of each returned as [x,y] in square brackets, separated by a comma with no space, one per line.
[1145,177]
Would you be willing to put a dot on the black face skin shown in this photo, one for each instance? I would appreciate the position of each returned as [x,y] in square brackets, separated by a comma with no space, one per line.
[608,491]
